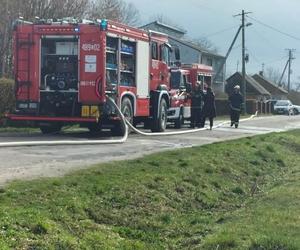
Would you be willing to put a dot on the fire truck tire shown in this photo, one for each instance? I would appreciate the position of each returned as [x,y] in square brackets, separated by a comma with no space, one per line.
[117,129]
[160,123]
[180,120]
[50,129]
[127,111]
[94,128]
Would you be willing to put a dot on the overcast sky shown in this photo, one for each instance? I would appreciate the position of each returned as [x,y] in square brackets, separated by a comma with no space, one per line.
[208,17]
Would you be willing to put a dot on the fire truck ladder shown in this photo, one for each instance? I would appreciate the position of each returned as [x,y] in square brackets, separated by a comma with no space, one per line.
[23,44]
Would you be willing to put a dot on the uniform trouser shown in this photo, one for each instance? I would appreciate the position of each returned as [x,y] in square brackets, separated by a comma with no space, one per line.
[211,121]
[234,117]
[195,117]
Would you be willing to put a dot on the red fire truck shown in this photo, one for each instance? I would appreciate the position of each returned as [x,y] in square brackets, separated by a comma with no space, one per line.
[65,71]
[183,80]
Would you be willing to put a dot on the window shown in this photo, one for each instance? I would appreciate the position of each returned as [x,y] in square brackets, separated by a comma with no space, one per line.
[188,79]
[165,54]
[209,61]
[154,51]
[207,80]
[200,78]
[184,82]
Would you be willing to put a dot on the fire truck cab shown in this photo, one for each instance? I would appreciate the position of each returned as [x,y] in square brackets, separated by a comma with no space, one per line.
[199,73]
[66,71]
[180,87]
[183,80]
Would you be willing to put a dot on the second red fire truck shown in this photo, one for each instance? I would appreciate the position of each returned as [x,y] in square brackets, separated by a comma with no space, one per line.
[183,80]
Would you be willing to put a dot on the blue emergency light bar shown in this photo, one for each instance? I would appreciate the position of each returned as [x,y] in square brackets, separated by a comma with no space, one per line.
[103,24]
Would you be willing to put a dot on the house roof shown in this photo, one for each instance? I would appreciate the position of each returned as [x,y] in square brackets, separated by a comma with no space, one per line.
[195,46]
[176,29]
[269,85]
[184,42]
[232,80]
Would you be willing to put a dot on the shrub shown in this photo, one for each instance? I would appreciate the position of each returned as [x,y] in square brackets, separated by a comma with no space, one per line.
[7,96]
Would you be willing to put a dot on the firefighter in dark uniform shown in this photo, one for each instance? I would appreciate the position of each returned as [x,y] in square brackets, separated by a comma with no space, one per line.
[209,108]
[235,105]
[196,106]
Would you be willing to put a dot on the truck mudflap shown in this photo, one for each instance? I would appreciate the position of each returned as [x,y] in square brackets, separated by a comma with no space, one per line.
[14,117]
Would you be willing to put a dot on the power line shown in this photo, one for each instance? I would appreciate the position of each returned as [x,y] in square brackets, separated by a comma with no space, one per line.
[275,29]
[254,57]
[202,5]
[276,60]
[260,36]
[221,31]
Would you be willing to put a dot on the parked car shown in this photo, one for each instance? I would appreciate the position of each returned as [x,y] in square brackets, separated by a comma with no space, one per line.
[285,107]
[296,109]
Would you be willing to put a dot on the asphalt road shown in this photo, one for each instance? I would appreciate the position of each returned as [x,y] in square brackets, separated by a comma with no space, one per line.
[47,161]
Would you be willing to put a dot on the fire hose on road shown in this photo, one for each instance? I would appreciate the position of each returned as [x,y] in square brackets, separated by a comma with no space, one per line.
[185,131]
[124,123]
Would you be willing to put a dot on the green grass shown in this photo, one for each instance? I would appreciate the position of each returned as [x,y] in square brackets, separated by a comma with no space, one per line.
[243,194]
[18,130]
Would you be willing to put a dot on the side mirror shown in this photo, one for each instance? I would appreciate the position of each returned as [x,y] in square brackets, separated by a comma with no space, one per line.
[182,89]
[188,87]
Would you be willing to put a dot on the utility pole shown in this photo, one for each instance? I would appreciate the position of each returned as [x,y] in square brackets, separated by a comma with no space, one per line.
[243,62]
[244,92]
[290,64]
[282,75]
[227,54]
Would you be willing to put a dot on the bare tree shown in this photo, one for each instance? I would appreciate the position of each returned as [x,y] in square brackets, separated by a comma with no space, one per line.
[117,10]
[205,43]
[129,14]
[46,9]
[12,9]
[7,15]
[201,42]
[166,20]
[273,74]
[53,8]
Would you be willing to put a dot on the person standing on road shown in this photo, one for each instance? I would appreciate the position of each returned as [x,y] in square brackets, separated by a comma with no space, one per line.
[209,108]
[196,106]
[235,105]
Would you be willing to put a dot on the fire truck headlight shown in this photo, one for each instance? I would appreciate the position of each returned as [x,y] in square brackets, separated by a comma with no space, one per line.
[25,105]
[76,29]
[22,105]
[33,105]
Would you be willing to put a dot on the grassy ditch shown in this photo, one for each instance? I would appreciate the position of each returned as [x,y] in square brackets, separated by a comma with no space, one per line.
[243,194]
